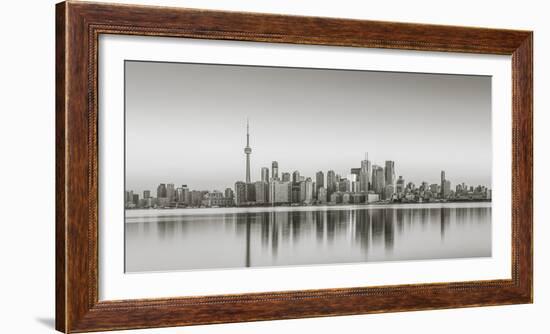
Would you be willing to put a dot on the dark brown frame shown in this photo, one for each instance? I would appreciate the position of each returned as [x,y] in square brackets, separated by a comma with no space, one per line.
[78,25]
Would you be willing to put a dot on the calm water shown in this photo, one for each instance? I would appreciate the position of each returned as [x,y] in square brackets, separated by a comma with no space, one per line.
[183,239]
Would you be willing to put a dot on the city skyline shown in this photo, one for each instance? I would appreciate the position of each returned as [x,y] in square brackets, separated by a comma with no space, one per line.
[369,183]
[295,131]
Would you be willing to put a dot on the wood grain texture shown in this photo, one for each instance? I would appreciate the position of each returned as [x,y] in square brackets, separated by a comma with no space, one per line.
[78,27]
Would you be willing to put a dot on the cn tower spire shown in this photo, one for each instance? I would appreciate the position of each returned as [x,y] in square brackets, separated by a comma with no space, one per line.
[247,151]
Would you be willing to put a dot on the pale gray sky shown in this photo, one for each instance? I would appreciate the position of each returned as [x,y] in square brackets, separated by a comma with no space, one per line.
[186,123]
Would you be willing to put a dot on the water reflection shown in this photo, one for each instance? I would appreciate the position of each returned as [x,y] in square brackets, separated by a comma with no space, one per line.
[247,239]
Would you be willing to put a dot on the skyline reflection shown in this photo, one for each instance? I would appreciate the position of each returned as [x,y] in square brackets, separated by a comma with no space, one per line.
[282,238]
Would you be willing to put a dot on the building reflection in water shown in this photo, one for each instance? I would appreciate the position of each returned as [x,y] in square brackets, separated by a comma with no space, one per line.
[303,237]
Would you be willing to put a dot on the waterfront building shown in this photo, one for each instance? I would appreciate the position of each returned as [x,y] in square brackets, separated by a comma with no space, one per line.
[230,194]
[196,197]
[346,197]
[250,192]
[372,198]
[296,177]
[322,195]
[446,188]
[215,199]
[130,199]
[186,194]
[146,194]
[442,184]
[279,192]
[240,193]
[331,183]
[389,172]
[307,191]
[365,175]
[286,177]
[179,195]
[357,198]
[344,185]
[265,174]
[170,192]
[434,189]
[378,179]
[355,187]
[295,192]
[262,192]
[336,197]
[161,191]
[355,172]
[162,202]
[274,171]
[388,192]
[400,185]
[319,181]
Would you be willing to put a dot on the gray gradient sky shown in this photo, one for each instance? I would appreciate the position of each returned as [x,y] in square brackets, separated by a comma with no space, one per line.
[186,123]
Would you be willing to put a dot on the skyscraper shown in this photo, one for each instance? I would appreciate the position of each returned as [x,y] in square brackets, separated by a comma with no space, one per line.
[247,151]
[319,180]
[378,179]
[240,193]
[161,191]
[170,192]
[279,192]
[400,186]
[229,194]
[265,174]
[274,170]
[365,175]
[286,177]
[306,191]
[390,173]
[295,176]
[261,192]
[442,184]
[331,183]
[446,188]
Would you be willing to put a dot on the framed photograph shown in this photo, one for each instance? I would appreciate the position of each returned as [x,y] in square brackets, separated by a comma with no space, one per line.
[222,167]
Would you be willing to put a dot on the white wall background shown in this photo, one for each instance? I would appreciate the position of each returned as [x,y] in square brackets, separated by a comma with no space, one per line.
[27,165]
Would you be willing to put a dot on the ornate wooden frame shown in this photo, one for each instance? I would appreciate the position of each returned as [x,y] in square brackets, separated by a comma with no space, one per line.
[78,25]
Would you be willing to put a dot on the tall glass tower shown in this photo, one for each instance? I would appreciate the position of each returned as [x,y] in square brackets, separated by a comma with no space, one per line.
[247,151]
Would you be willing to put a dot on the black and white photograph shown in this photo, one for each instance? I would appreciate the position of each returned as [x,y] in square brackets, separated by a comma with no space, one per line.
[231,166]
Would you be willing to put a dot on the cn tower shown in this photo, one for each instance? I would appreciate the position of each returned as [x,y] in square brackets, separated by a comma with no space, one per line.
[247,151]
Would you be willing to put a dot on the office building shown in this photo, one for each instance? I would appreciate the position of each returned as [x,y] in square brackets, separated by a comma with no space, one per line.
[279,192]
[161,191]
[331,183]
[378,180]
[265,174]
[322,195]
[365,175]
[240,193]
[170,192]
[389,172]
[275,171]
[262,192]
[286,177]
[319,180]
[400,185]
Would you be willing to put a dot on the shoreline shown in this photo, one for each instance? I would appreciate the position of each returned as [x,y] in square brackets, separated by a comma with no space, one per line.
[141,213]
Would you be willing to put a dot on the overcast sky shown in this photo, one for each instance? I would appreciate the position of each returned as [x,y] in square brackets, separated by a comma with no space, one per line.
[186,123]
